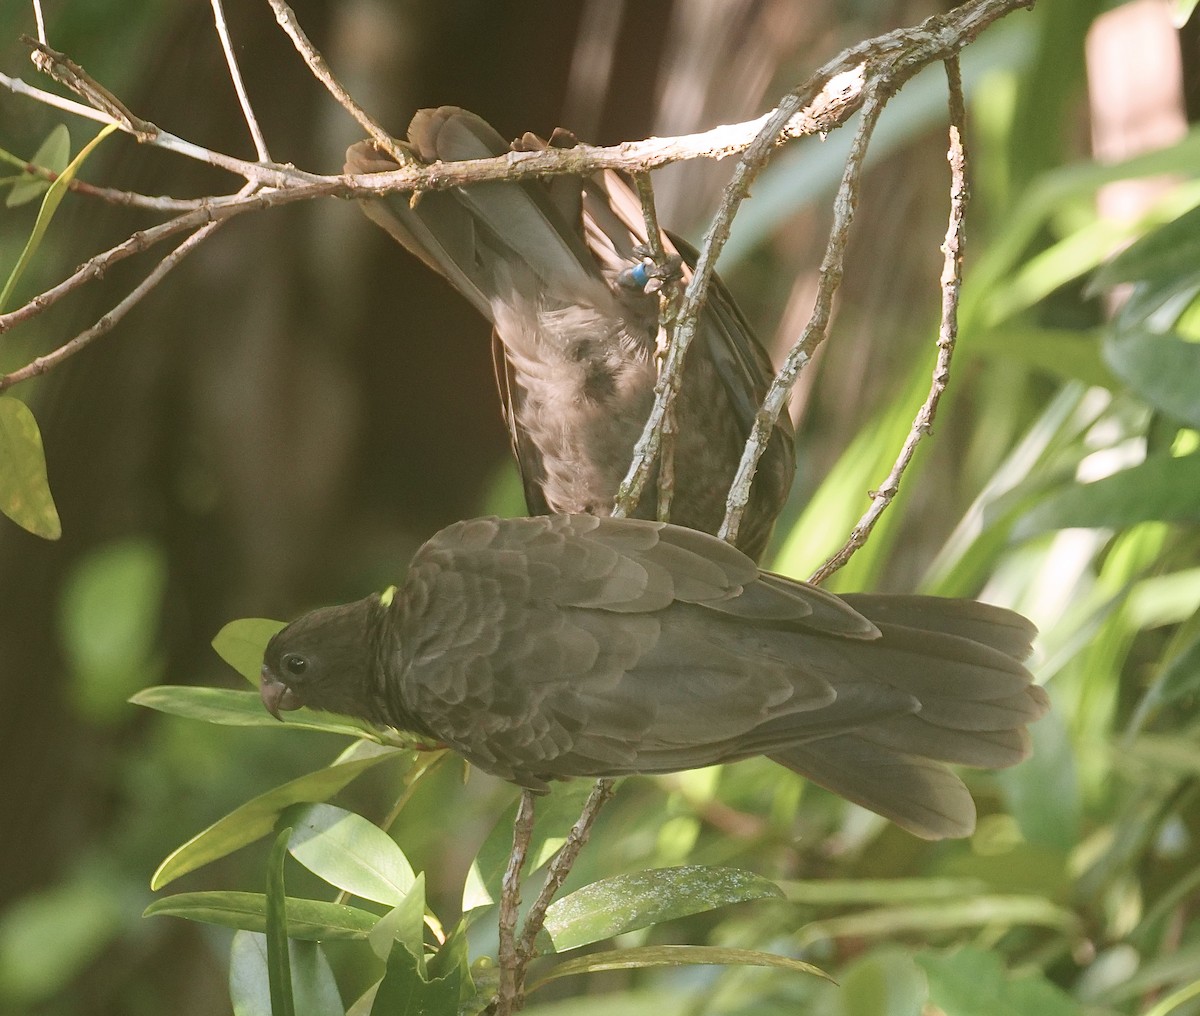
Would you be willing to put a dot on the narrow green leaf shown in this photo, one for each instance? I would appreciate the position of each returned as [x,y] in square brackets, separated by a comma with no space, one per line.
[257,817]
[1161,488]
[53,154]
[24,488]
[50,203]
[1168,250]
[245,709]
[241,644]
[279,968]
[349,852]
[613,906]
[1162,369]
[313,985]
[676,956]
[310,920]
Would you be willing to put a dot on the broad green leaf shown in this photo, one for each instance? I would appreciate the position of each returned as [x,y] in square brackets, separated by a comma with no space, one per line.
[972,982]
[48,937]
[279,969]
[349,852]
[675,956]
[257,817]
[50,203]
[475,894]
[309,920]
[407,988]
[245,709]
[1162,369]
[885,982]
[613,906]
[109,617]
[241,644]
[1043,792]
[1161,488]
[404,923]
[53,154]
[24,488]
[313,985]
[1167,251]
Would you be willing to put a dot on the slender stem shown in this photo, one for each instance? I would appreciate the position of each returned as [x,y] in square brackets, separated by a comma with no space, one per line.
[951,285]
[320,70]
[256,134]
[506,1001]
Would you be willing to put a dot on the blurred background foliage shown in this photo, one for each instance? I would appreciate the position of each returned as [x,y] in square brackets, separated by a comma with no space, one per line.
[300,405]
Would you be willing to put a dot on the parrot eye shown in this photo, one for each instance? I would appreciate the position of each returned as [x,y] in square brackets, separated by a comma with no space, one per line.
[295,664]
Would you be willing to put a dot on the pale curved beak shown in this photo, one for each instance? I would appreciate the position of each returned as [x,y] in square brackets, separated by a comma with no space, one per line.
[276,695]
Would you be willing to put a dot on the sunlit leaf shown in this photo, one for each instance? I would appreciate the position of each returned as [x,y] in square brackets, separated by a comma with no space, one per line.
[50,203]
[884,982]
[1162,369]
[313,985]
[349,852]
[257,817]
[109,617]
[279,969]
[24,488]
[53,154]
[310,920]
[245,709]
[1169,250]
[403,924]
[1161,488]
[241,644]
[615,905]
[676,956]
[972,982]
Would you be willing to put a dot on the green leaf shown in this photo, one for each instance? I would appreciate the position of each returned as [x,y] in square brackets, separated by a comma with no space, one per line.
[404,923]
[242,643]
[885,982]
[257,817]
[1162,369]
[245,709]
[310,920]
[1178,678]
[50,203]
[53,154]
[613,906]
[475,893]
[24,488]
[1168,251]
[349,852]
[279,969]
[313,984]
[109,617]
[675,956]
[1161,488]
[972,982]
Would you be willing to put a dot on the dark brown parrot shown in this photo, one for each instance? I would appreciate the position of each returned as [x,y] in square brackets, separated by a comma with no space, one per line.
[560,269]
[571,645]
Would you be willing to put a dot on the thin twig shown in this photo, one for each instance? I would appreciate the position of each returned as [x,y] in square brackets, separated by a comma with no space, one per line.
[235,75]
[563,861]
[670,292]
[106,323]
[210,210]
[510,900]
[830,279]
[320,69]
[40,20]
[951,284]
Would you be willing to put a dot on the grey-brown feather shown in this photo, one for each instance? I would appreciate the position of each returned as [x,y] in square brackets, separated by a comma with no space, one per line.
[546,648]
[575,345]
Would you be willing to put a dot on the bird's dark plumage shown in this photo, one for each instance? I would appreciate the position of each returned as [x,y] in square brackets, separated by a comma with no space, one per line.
[550,264]
[571,645]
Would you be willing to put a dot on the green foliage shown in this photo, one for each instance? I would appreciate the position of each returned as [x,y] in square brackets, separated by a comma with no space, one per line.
[24,489]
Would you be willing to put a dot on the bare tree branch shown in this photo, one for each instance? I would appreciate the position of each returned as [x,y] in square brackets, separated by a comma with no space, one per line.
[951,284]
[256,134]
